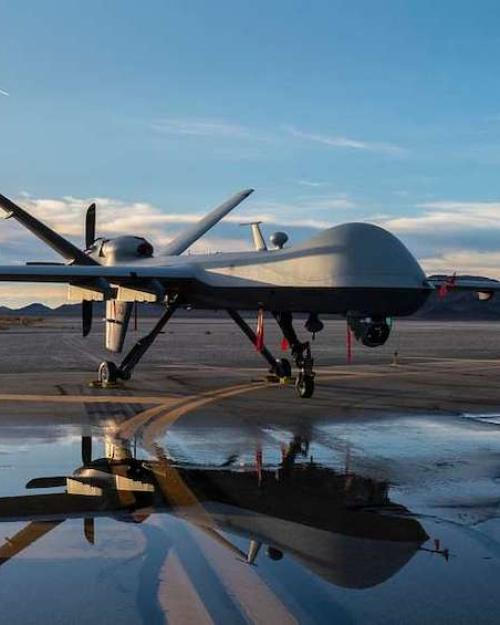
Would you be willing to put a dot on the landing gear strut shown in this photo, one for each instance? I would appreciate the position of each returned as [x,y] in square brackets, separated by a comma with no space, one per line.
[280,367]
[301,353]
[108,373]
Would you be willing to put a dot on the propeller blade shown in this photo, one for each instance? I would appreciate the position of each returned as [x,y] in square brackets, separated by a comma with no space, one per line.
[90,217]
[87,310]
[86,450]
[89,530]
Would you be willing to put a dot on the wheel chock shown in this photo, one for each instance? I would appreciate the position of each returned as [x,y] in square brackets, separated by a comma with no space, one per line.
[98,384]
[283,381]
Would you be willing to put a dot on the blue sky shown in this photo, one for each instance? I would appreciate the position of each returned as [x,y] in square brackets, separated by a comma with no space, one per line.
[332,110]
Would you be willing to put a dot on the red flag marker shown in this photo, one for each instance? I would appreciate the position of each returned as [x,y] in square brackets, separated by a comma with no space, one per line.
[284,344]
[259,333]
[348,338]
[448,284]
[259,462]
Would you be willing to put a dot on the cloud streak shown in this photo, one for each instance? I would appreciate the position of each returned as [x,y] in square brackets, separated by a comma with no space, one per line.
[201,128]
[204,128]
[449,216]
[345,142]
[464,261]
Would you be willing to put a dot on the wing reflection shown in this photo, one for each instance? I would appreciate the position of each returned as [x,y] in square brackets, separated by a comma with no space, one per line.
[339,525]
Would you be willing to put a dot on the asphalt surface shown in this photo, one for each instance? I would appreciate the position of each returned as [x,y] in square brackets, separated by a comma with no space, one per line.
[379,495]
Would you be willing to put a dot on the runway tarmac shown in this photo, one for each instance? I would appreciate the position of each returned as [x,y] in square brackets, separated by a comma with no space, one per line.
[375,501]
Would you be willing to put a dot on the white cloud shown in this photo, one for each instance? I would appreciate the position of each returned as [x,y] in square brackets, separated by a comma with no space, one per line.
[211,245]
[345,142]
[471,262]
[313,183]
[448,216]
[115,217]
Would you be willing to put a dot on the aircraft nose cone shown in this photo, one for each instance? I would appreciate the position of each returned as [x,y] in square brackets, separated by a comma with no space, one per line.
[364,255]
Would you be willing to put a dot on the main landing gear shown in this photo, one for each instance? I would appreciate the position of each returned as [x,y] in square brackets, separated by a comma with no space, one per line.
[301,353]
[281,367]
[109,373]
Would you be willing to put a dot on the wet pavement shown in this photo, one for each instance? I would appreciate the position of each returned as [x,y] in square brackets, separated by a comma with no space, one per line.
[196,495]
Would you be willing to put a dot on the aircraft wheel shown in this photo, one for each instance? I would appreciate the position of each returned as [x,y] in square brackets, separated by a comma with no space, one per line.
[304,386]
[284,368]
[107,373]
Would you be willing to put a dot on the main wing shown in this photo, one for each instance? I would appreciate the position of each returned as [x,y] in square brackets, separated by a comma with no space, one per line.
[54,240]
[88,273]
[188,237]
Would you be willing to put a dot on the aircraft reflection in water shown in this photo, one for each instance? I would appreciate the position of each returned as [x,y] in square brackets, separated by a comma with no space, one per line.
[341,526]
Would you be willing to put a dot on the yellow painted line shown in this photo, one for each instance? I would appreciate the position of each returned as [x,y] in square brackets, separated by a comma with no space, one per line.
[91,399]
[169,411]
[159,424]
[177,596]
[255,599]
[25,537]
[129,428]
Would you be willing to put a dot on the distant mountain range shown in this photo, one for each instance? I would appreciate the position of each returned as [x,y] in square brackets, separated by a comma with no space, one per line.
[68,310]
[459,306]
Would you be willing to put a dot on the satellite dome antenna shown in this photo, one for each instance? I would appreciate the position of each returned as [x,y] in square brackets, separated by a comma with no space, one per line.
[278,239]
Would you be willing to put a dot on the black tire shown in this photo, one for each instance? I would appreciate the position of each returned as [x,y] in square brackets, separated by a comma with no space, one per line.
[284,368]
[107,372]
[305,386]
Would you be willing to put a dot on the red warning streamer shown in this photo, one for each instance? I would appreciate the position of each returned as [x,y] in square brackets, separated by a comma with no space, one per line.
[259,332]
[348,340]
[259,463]
[448,284]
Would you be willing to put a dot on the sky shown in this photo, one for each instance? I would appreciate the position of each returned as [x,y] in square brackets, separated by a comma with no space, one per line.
[333,110]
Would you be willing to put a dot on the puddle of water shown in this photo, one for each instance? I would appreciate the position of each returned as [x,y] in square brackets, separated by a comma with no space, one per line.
[492,418]
[381,521]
